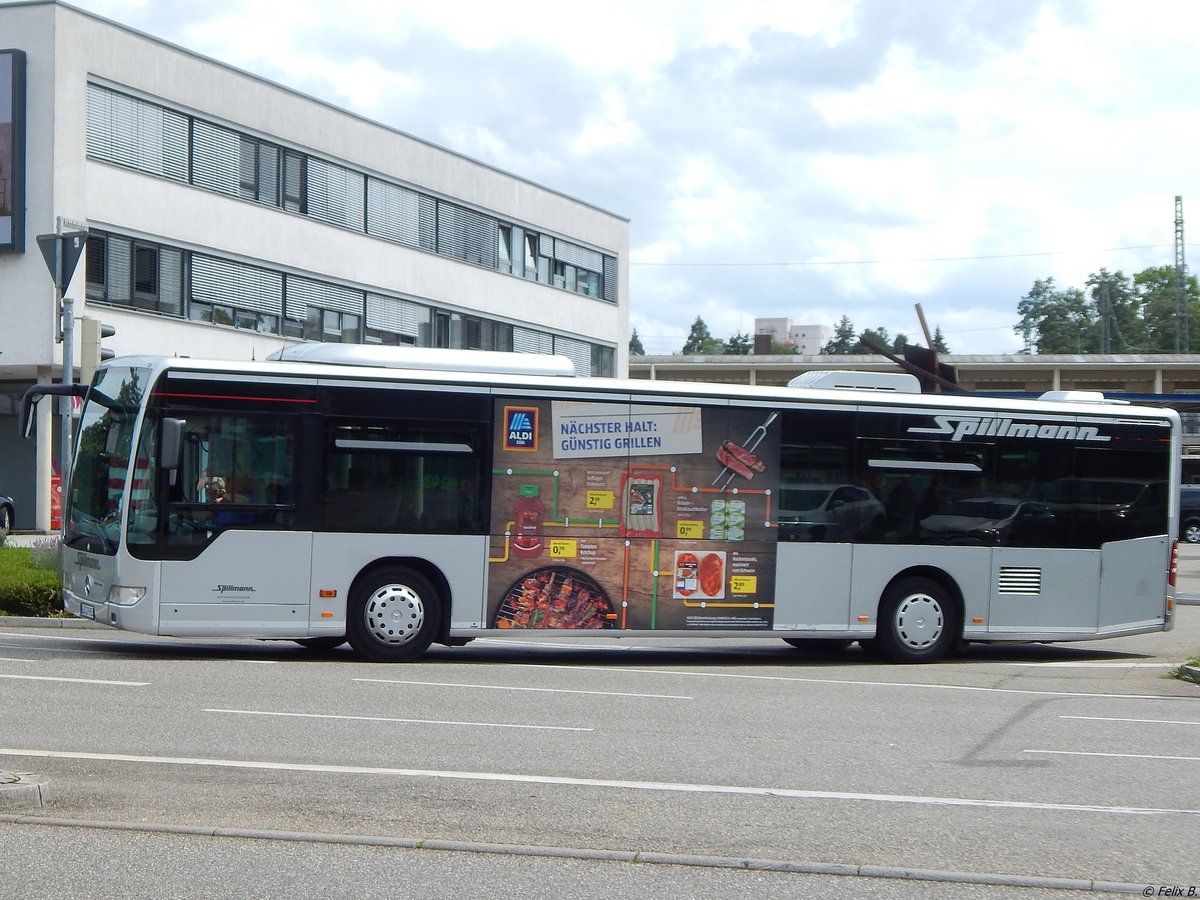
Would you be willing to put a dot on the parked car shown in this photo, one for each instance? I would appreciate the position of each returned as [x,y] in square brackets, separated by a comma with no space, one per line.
[1095,510]
[1001,521]
[8,512]
[1189,513]
[828,512]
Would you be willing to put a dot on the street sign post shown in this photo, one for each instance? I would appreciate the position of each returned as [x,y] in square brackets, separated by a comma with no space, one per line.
[61,251]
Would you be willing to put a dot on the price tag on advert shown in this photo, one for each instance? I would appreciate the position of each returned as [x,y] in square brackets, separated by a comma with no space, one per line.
[600,499]
[690,529]
[561,548]
[743,584]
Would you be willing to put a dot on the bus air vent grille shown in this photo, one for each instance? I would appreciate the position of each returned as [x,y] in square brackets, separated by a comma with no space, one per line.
[1019,580]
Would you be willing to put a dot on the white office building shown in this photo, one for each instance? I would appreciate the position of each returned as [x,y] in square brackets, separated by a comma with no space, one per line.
[228,216]
[808,340]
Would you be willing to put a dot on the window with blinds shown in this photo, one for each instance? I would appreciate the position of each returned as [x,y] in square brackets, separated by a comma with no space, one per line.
[132,273]
[216,158]
[579,352]
[132,132]
[396,316]
[393,212]
[330,312]
[335,194]
[526,340]
[231,293]
[466,234]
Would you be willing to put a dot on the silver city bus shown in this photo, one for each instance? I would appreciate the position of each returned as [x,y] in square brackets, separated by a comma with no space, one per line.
[395,498]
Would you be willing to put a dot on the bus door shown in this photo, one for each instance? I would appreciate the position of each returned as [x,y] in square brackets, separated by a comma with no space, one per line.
[233,558]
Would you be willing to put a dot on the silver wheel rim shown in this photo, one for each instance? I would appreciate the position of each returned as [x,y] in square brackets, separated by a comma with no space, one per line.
[1192,534]
[919,621]
[394,614]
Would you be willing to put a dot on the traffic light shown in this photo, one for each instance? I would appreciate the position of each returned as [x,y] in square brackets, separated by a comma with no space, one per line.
[91,350]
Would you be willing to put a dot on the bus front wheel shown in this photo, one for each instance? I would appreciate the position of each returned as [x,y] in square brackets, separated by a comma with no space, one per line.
[918,622]
[394,615]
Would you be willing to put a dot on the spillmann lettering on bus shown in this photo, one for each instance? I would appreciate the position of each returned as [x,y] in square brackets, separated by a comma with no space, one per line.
[959,427]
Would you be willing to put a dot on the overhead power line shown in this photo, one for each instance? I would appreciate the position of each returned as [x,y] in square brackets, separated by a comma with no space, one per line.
[870,262]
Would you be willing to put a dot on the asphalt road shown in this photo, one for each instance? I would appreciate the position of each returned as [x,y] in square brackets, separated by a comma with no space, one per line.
[576,768]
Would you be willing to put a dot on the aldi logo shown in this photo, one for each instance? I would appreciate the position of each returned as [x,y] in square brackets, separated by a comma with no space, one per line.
[520,427]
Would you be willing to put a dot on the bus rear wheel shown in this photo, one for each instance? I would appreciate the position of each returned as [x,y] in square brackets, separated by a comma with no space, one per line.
[918,622]
[394,615]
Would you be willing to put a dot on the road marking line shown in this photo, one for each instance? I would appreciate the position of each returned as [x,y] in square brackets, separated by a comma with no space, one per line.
[63,637]
[78,680]
[18,659]
[673,787]
[185,649]
[1116,755]
[262,712]
[1091,665]
[842,681]
[1138,721]
[501,687]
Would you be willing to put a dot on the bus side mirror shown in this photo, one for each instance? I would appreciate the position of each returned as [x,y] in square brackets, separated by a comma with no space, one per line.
[37,392]
[170,446]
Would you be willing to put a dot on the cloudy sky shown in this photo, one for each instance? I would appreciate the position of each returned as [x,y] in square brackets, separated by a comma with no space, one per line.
[805,159]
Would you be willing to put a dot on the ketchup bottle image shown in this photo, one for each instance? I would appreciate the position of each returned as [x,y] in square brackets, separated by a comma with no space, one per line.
[527,522]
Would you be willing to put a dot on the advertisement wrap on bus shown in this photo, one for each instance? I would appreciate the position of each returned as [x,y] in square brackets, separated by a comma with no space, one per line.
[653,517]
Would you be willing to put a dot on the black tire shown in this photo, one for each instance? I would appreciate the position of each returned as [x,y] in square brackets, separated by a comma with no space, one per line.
[393,616]
[819,645]
[919,622]
[321,644]
[1190,532]
[5,520]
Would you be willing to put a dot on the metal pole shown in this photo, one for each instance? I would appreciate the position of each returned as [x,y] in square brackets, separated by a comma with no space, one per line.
[67,306]
[68,377]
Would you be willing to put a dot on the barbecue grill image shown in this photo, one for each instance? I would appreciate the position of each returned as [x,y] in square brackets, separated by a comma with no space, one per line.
[555,597]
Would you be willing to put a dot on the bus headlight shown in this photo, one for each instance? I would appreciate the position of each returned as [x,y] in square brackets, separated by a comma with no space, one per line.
[124,595]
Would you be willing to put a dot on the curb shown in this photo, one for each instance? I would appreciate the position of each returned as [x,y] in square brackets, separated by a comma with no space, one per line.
[643,857]
[47,622]
[20,791]
[1189,673]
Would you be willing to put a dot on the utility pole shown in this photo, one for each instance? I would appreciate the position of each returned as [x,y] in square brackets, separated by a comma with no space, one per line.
[1182,330]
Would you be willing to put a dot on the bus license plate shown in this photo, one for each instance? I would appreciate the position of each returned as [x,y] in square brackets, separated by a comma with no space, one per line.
[87,611]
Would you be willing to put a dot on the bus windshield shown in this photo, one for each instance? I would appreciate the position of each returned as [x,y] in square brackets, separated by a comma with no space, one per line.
[102,460]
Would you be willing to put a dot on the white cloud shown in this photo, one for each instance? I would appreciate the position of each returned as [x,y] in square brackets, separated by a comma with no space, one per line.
[939,152]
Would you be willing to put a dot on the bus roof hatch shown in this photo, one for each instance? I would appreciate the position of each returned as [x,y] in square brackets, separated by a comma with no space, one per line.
[429,358]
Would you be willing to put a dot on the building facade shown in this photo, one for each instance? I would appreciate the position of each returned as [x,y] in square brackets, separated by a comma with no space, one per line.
[228,216]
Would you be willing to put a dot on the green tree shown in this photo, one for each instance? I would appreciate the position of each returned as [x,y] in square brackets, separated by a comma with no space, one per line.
[1056,321]
[635,345]
[739,345]
[1155,290]
[1117,314]
[701,341]
[843,340]
[939,340]
[877,336]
